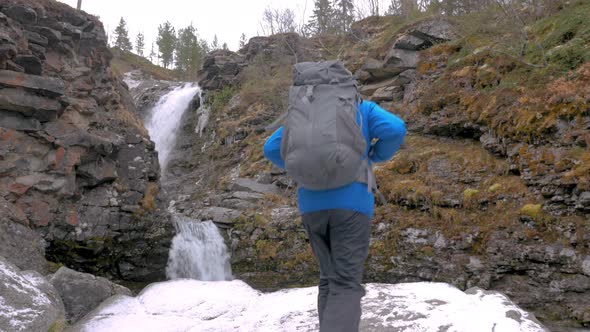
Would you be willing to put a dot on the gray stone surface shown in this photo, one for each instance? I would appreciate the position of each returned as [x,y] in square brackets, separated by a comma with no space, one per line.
[218,214]
[41,108]
[243,184]
[27,301]
[82,292]
[52,87]
[18,243]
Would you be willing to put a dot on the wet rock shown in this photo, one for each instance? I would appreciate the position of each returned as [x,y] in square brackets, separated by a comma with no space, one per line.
[50,87]
[31,64]
[28,301]
[82,292]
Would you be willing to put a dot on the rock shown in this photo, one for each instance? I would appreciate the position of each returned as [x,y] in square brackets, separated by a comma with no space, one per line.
[247,196]
[389,93]
[54,37]
[411,43]
[370,89]
[7,51]
[98,172]
[36,38]
[11,65]
[435,31]
[28,302]
[243,184]
[41,108]
[18,243]
[30,63]
[38,51]
[24,15]
[17,121]
[218,214]
[48,86]
[398,59]
[82,292]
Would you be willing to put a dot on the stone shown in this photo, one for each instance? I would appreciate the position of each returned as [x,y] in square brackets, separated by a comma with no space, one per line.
[7,51]
[17,121]
[27,301]
[247,196]
[48,86]
[82,292]
[243,184]
[37,50]
[24,15]
[401,59]
[98,172]
[411,43]
[11,65]
[218,214]
[435,31]
[30,63]
[370,89]
[389,93]
[53,36]
[41,108]
[36,38]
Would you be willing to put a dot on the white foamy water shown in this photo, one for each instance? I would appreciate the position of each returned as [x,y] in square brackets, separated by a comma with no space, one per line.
[198,251]
[164,120]
[203,117]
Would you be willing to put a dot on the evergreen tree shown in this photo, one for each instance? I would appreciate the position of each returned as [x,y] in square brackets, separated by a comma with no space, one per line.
[344,10]
[225,47]
[166,42]
[215,43]
[242,40]
[188,52]
[122,37]
[152,53]
[321,21]
[139,44]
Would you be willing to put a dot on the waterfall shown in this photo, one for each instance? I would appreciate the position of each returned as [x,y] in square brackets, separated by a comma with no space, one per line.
[164,119]
[198,251]
[203,117]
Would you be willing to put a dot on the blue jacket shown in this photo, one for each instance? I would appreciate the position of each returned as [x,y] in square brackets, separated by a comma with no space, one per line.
[382,125]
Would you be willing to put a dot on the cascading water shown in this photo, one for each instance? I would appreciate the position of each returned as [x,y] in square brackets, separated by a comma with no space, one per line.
[198,252]
[164,120]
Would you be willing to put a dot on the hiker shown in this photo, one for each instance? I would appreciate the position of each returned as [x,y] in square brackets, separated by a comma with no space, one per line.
[325,146]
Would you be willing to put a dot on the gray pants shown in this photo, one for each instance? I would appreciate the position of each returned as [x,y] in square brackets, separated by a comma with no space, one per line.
[340,242]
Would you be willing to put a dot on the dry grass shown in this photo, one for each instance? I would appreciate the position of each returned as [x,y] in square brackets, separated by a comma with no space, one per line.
[149,197]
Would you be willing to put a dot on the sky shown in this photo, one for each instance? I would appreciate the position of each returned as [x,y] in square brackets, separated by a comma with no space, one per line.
[227,19]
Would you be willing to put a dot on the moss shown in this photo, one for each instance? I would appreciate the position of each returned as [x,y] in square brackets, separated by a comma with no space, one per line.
[535,211]
[57,326]
[149,197]
[469,194]
[495,187]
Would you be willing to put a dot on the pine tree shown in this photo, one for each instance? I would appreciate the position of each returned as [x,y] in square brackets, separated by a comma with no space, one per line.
[152,53]
[122,37]
[215,43]
[139,44]
[166,42]
[344,14]
[321,21]
[188,52]
[242,40]
[224,47]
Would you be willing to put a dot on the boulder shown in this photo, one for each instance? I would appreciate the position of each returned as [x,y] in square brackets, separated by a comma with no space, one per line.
[82,292]
[401,59]
[48,86]
[411,43]
[98,172]
[36,38]
[218,214]
[435,30]
[27,301]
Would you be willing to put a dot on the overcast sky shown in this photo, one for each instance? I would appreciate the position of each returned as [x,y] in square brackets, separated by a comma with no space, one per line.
[227,19]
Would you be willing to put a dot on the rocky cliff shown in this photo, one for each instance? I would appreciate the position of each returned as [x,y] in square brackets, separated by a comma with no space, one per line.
[79,174]
[489,190]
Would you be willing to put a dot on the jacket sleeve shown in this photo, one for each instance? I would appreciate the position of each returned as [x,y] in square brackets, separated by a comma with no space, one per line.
[388,129]
[272,148]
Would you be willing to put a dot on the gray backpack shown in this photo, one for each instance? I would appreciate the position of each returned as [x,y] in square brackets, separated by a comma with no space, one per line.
[323,145]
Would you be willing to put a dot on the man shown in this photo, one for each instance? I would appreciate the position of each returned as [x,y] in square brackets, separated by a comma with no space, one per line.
[338,221]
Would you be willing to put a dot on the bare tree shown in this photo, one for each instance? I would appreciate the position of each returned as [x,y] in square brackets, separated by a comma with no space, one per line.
[276,20]
[79,4]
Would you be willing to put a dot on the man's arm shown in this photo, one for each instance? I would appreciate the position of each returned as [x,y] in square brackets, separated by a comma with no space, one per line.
[388,129]
[272,148]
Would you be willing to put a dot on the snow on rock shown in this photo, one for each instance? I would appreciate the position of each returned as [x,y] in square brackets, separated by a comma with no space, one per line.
[27,301]
[191,305]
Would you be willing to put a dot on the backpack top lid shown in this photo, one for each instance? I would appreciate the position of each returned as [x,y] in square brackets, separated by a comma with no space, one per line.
[325,72]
